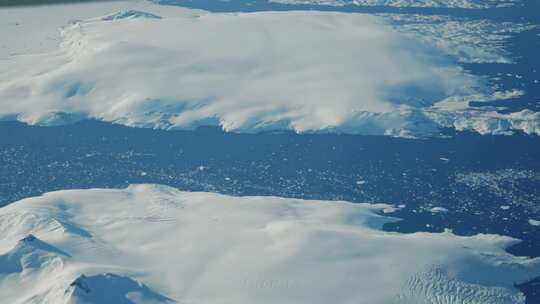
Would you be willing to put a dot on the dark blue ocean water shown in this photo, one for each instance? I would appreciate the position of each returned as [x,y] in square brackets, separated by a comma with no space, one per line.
[526,11]
[489,184]
[421,174]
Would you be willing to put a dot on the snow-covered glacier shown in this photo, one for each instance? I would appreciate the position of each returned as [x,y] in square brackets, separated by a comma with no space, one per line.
[156,244]
[177,68]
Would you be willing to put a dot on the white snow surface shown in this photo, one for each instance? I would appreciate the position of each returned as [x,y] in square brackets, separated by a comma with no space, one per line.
[155,244]
[35,29]
[148,65]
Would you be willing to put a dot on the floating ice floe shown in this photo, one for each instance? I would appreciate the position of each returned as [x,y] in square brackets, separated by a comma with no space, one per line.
[438,210]
[534,222]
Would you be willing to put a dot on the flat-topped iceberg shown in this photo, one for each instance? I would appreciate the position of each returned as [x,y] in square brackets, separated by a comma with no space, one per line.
[177,68]
[155,244]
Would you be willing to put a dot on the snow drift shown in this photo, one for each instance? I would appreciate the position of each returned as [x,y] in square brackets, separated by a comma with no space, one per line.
[155,244]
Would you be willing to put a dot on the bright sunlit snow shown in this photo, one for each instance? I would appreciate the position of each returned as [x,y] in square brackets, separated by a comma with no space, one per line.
[156,244]
[247,72]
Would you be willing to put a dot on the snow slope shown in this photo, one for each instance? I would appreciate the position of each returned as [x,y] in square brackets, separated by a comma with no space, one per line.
[170,67]
[155,244]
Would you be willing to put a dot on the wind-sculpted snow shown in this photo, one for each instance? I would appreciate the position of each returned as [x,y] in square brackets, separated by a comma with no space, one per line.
[470,4]
[155,244]
[177,68]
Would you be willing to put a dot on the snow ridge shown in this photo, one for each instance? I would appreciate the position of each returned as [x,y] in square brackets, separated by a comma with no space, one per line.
[111,288]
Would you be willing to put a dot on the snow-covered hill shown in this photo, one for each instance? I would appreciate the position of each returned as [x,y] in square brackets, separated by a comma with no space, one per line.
[155,244]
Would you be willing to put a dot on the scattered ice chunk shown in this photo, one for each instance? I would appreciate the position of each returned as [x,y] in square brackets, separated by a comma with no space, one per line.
[534,222]
[390,210]
[438,210]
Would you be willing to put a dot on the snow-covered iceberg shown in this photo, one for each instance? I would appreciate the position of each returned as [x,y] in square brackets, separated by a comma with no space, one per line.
[155,244]
[174,68]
